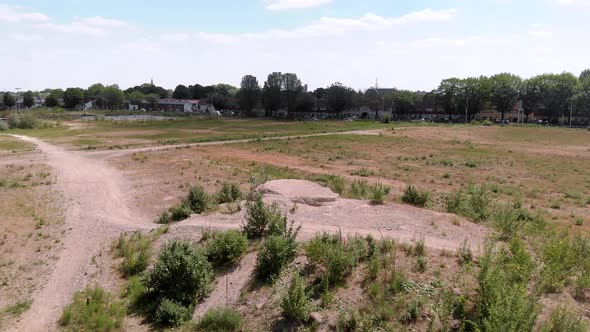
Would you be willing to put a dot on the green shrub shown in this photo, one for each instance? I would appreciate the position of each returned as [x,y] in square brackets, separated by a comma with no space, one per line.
[295,303]
[559,263]
[229,193]
[473,202]
[329,254]
[564,319]
[226,248]
[420,248]
[334,182]
[263,220]
[180,212]
[3,126]
[415,197]
[181,273]
[135,249]
[421,263]
[170,313]
[221,320]
[377,193]
[276,253]
[93,310]
[508,220]
[197,200]
[363,172]
[505,304]
[359,188]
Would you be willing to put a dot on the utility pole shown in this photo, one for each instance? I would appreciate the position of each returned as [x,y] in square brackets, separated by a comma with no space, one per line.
[571,110]
[17,96]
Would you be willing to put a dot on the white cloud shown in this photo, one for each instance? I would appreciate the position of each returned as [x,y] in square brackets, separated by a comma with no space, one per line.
[295,4]
[10,14]
[572,2]
[101,22]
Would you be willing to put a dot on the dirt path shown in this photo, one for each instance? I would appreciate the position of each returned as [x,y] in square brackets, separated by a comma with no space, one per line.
[98,209]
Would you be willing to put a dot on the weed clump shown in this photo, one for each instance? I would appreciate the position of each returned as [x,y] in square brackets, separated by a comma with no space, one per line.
[197,200]
[564,319]
[377,193]
[295,303]
[93,310]
[229,193]
[221,320]
[473,203]
[415,197]
[263,220]
[135,249]
[170,313]
[276,253]
[359,188]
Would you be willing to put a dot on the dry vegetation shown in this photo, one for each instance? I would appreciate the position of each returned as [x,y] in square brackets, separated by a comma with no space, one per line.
[528,185]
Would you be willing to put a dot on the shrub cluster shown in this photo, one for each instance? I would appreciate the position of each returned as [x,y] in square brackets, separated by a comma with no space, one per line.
[135,249]
[197,201]
[331,255]
[415,197]
[23,121]
[295,303]
[378,192]
[180,277]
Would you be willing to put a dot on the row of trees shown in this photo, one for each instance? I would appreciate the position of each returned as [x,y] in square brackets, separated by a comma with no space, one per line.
[553,95]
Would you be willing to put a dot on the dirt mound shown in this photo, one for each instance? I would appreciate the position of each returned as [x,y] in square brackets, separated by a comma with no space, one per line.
[298,191]
[324,211]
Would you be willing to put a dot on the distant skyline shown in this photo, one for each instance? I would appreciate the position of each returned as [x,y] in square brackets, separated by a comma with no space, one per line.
[405,44]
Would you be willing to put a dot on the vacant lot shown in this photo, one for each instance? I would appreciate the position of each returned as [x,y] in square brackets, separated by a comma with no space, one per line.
[519,188]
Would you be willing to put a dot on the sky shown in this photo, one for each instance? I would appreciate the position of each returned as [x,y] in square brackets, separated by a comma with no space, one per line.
[410,44]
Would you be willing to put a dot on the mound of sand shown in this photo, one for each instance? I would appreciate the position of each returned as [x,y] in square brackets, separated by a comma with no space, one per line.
[298,191]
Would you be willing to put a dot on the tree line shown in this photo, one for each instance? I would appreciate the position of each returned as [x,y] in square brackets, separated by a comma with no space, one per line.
[552,95]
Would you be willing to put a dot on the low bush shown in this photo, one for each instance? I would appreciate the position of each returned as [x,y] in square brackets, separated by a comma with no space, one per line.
[415,197]
[334,182]
[221,320]
[170,313]
[377,193]
[564,319]
[263,220]
[560,262]
[505,303]
[3,126]
[473,203]
[276,253]
[197,200]
[135,249]
[229,193]
[93,310]
[181,274]
[22,121]
[164,218]
[295,303]
[226,248]
[180,212]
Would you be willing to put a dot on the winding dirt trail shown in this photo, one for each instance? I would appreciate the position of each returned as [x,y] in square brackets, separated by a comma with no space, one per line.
[98,209]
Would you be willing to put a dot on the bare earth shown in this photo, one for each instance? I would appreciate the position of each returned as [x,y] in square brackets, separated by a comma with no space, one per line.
[100,206]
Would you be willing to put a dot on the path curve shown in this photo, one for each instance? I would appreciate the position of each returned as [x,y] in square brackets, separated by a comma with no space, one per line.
[98,208]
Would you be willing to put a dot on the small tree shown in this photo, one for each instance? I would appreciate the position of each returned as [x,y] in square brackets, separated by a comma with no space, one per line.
[9,100]
[28,99]
[51,101]
[295,302]
[73,97]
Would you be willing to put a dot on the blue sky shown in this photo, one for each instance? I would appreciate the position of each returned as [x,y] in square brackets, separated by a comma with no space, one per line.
[406,44]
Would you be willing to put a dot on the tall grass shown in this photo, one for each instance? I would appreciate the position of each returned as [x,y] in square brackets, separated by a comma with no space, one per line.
[93,310]
[415,197]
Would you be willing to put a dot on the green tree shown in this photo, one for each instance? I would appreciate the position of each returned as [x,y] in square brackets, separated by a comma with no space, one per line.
[95,93]
[473,94]
[448,95]
[51,100]
[404,102]
[531,97]
[136,97]
[153,99]
[9,100]
[249,94]
[305,102]
[28,99]
[339,97]
[113,97]
[292,88]
[271,93]
[505,89]
[73,97]
[181,92]
[557,91]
